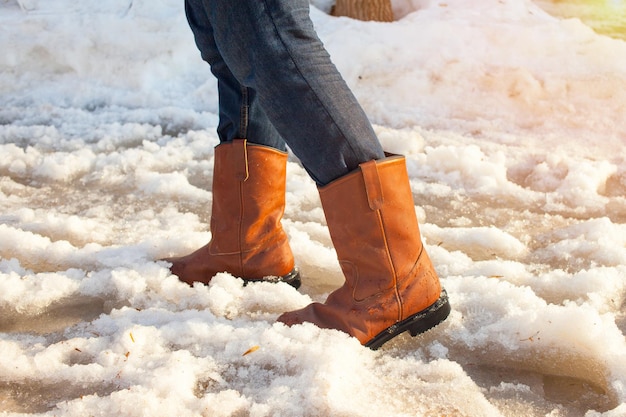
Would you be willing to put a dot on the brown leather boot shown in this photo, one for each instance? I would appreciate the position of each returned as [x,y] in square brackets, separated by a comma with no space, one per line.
[247,239]
[391,285]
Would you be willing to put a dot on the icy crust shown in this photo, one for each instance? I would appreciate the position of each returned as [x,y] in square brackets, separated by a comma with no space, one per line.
[512,124]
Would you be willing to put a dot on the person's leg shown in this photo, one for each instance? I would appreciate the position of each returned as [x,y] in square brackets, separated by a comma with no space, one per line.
[271,47]
[240,113]
[391,285]
[249,177]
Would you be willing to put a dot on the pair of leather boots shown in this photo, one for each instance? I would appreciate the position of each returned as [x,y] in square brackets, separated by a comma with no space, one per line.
[390,283]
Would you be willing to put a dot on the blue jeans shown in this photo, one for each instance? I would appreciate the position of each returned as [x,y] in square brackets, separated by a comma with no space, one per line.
[277,84]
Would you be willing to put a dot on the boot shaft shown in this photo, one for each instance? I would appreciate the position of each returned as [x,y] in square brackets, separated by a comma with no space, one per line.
[247,237]
[372,222]
[248,196]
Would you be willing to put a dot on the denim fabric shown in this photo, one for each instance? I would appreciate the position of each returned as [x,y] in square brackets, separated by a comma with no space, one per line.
[277,84]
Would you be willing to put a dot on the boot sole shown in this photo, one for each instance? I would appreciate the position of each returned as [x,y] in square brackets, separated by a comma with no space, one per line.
[292,278]
[416,324]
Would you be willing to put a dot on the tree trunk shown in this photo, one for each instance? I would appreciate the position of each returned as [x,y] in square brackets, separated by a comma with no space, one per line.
[379,10]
